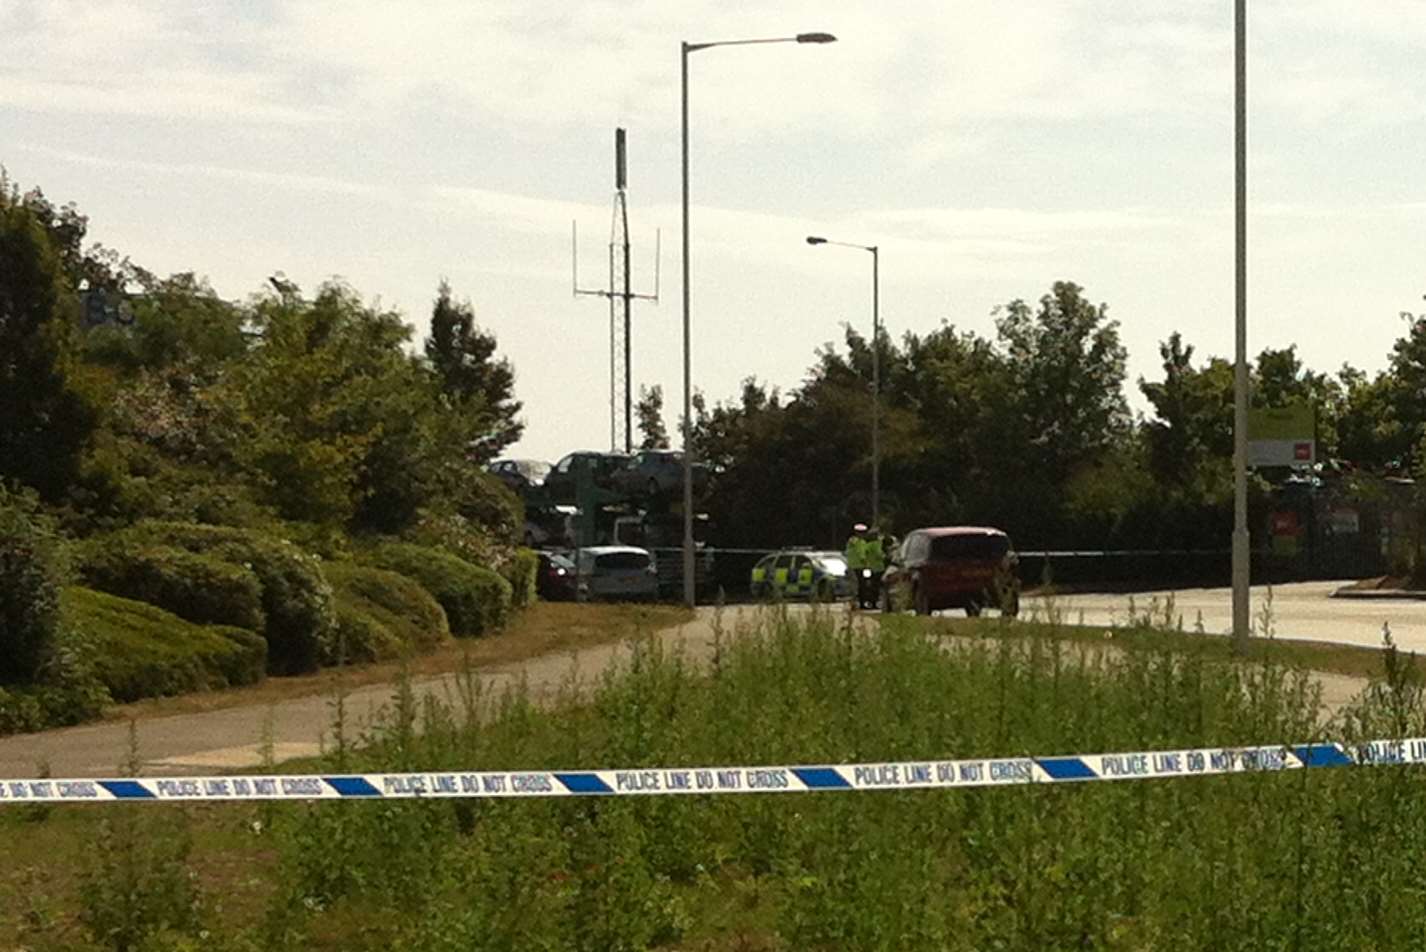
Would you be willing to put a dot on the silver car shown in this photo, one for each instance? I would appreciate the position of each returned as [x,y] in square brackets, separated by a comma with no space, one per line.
[615,572]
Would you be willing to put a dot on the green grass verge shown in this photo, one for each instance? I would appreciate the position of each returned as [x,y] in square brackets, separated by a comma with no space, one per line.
[1311,859]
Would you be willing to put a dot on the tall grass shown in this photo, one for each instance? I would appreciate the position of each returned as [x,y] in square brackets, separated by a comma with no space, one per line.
[1305,860]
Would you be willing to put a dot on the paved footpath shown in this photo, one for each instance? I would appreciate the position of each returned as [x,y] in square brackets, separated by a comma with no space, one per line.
[221,740]
[228,739]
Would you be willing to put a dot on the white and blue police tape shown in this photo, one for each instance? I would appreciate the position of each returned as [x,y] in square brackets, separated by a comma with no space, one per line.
[661,781]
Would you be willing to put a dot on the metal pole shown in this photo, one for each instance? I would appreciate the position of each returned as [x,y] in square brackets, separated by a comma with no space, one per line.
[628,340]
[875,389]
[1241,549]
[688,576]
[613,362]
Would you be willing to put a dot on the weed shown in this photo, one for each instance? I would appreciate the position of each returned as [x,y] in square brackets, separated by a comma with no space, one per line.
[137,882]
[1312,859]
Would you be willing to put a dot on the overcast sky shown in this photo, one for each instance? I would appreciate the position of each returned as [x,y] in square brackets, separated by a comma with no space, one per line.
[989,147]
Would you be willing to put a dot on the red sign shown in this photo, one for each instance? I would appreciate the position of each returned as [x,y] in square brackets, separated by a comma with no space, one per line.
[1284,523]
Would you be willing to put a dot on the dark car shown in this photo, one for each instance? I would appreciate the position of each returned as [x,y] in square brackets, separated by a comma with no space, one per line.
[562,482]
[966,567]
[555,578]
[655,473]
[519,474]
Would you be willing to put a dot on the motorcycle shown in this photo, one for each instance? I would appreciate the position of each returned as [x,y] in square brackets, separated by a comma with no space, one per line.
[867,588]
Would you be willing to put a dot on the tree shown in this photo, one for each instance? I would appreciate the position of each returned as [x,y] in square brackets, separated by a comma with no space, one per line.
[650,412]
[339,424]
[1194,415]
[85,268]
[1280,380]
[1408,391]
[177,321]
[1068,367]
[463,357]
[1368,431]
[46,421]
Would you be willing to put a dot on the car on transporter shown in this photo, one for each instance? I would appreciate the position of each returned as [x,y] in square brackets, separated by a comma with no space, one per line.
[656,473]
[967,567]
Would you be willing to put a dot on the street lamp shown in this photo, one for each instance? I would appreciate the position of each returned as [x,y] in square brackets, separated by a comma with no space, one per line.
[686,48]
[875,371]
[1242,559]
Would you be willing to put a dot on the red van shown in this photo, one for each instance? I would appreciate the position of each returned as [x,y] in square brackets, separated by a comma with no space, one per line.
[968,567]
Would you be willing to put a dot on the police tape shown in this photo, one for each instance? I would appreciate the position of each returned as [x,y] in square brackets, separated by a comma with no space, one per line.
[663,781]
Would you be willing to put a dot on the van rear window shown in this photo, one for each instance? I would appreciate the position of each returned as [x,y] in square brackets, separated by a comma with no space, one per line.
[986,547]
[623,560]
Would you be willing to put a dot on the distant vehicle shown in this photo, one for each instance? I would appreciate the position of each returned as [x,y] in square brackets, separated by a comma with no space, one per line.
[800,573]
[561,483]
[617,572]
[655,473]
[555,578]
[662,535]
[966,567]
[549,527]
[519,474]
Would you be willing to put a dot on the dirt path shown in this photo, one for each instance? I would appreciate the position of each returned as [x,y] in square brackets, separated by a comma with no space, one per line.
[216,741]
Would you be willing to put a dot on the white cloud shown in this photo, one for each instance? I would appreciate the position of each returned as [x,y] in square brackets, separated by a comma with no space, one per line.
[289,180]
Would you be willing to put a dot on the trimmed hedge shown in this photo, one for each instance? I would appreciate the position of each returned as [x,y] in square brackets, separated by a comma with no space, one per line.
[521,570]
[32,569]
[198,588]
[381,615]
[298,611]
[139,651]
[476,600]
[66,689]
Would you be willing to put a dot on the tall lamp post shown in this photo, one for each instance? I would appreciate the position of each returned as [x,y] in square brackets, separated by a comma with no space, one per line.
[875,370]
[1241,551]
[688,573]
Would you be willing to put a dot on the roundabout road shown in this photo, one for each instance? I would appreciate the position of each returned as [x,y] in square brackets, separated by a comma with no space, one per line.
[1302,610]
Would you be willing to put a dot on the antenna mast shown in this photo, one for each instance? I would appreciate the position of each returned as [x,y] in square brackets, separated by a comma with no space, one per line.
[621,295]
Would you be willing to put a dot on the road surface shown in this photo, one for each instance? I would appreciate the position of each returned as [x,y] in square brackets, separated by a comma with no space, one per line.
[1303,610]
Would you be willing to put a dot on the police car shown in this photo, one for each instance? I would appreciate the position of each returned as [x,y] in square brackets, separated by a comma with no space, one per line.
[802,573]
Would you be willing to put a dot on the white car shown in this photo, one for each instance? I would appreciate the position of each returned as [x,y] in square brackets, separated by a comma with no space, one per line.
[615,572]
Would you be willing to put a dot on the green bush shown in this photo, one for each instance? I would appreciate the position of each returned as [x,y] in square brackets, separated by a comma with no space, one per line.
[31,572]
[520,570]
[66,689]
[199,588]
[381,614]
[476,600]
[299,616]
[140,651]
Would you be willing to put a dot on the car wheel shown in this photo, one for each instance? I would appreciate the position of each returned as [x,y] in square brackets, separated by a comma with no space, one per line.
[921,600]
